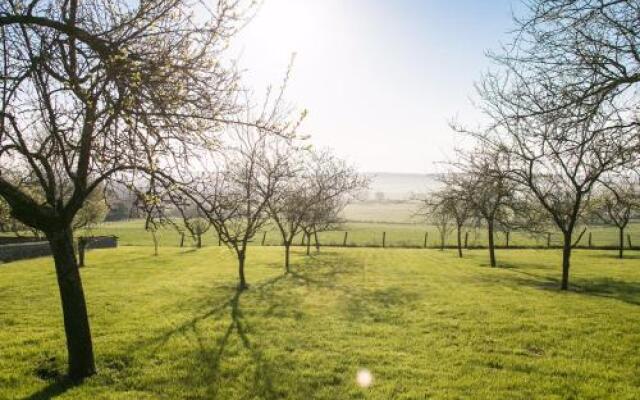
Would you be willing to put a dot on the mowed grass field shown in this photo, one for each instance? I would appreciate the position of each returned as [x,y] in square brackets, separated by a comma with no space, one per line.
[425,323]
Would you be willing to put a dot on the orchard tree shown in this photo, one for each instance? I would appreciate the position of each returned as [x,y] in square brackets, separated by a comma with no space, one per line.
[487,190]
[331,184]
[192,219]
[614,204]
[318,185]
[98,90]
[235,199]
[452,201]
[436,211]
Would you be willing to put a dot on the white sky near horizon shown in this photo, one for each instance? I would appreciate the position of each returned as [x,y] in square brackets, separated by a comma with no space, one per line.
[381,79]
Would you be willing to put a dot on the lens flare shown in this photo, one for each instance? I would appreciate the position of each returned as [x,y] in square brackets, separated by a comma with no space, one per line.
[364,378]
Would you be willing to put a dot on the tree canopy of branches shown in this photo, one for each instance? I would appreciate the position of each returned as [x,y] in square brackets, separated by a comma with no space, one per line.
[575,57]
[94,90]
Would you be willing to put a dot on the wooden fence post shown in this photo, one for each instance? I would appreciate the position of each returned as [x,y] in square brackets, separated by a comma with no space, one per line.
[426,237]
[344,241]
[384,239]
[82,243]
[264,237]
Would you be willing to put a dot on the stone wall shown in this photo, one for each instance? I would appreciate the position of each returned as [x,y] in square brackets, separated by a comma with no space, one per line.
[15,240]
[22,251]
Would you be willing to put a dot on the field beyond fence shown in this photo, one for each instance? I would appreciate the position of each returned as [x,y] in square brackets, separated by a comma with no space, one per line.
[391,235]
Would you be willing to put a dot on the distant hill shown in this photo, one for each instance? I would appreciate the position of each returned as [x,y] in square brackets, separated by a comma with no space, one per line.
[397,186]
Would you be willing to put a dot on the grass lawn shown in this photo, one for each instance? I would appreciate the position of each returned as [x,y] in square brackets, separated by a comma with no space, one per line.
[426,324]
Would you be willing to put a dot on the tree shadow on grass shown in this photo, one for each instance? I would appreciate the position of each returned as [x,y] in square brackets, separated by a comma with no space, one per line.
[54,389]
[625,291]
[613,255]
[210,352]
[628,292]
[213,311]
[358,302]
[212,356]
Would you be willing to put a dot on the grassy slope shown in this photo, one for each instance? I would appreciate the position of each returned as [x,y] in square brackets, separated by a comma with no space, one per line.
[425,323]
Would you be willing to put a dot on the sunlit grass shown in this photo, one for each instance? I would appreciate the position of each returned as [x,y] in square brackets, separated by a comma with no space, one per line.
[424,323]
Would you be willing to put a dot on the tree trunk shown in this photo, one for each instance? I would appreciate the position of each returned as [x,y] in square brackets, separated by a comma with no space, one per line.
[74,308]
[459,234]
[155,243]
[621,243]
[315,234]
[308,243]
[566,260]
[243,282]
[199,241]
[287,252]
[492,247]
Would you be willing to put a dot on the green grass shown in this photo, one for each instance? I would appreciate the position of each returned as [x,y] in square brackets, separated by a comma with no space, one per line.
[132,233]
[426,324]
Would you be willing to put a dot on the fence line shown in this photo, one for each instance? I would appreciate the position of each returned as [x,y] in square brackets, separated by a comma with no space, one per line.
[503,240]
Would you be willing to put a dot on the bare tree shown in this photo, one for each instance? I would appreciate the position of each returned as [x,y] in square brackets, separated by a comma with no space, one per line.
[235,199]
[152,201]
[331,184]
[437,212]
[451,200]
[323,216]
[487,189]
[559,160]
[614,204]
[97,89]
[193,220]
[318,187]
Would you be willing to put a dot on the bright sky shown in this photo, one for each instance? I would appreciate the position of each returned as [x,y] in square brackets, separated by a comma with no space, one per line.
[381,78]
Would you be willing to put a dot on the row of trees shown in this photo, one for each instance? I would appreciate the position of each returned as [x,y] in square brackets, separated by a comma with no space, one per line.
[474,195]
[259,179]
[560,141]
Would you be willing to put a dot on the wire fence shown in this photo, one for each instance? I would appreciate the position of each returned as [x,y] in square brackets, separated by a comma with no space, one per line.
[131,233]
